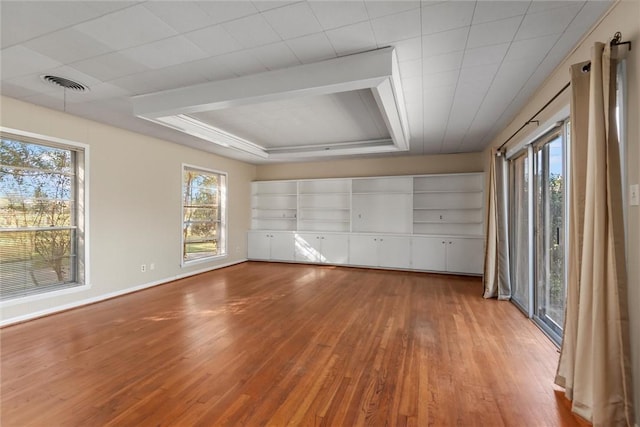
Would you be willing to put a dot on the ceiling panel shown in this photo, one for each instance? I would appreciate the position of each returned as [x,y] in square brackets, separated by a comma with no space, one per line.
[466,67]
[19,61]
[338,14]
[485,55]
[165,53]
[110,66]
[293,21]
[380,8]
[275,56]
[352,38]
[224,11]
[401,26]
[23,21]
[446,16]
[444,42]
[214,40]
[251,31]
[127,28]
[312,48]
[441,63]
[549,21]
[181,16]
[242,63]
[68,45]
[490,11]
[493,32]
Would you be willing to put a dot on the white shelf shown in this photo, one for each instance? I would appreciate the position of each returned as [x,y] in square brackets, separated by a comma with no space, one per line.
[435,205]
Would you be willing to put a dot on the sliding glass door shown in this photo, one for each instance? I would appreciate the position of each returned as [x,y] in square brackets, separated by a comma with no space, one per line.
[537,177]
[549,226]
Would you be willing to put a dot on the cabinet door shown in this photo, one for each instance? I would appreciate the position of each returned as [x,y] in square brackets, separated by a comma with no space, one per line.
[307,247]
[394,251]
[282,246]
[363,250]
[428,253]
[465,255]
[258,245]
[334,249]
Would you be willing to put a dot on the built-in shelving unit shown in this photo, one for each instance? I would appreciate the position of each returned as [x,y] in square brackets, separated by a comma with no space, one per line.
[426,222]
[324,205]
[274,205]
[448,204]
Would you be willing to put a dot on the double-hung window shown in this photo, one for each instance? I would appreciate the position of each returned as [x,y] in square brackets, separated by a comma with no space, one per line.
[203,214]
[42,223]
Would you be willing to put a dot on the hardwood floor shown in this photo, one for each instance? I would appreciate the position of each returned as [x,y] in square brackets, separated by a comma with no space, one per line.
[274,344]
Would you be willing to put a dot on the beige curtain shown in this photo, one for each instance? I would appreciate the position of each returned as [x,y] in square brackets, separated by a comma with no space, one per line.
[497,281]
[594,366]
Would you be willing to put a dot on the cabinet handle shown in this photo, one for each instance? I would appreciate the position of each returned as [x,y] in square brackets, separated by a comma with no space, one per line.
[322,238]
[381,240]
[449,242]
[443,242]
[375,240]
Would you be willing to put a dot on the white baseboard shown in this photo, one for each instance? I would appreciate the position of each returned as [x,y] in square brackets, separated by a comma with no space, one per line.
[92,300]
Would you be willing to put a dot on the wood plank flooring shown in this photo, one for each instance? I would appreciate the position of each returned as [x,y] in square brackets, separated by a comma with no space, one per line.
[277,344]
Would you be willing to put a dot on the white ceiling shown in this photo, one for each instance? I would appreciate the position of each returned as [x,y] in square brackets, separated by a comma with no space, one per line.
[466,66]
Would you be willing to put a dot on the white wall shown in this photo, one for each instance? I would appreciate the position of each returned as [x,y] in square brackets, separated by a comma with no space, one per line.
[623,17]
[135,186]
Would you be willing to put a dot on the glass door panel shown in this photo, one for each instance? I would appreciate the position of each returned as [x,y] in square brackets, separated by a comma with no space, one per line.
[549,234]
[519,248]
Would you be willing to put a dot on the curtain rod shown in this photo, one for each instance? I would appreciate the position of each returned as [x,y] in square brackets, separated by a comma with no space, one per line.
[615,41]
[531,120]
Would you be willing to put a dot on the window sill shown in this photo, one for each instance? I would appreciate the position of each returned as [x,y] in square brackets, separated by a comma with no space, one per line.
[44,295]
[202,260]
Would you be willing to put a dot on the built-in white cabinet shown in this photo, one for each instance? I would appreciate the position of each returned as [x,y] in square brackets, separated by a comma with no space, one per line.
[377,200]
[449,254]
[380,251]
[271,245]
[426,222]
[323,248]
[465,255]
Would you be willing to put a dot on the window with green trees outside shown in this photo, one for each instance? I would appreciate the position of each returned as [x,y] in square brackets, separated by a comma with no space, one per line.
[41,233]
[203,214]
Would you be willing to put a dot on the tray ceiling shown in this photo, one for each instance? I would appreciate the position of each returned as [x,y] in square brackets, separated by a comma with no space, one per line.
[465,67]
[313,120]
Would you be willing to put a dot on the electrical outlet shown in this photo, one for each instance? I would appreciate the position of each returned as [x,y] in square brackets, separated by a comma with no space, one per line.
[152,266]
[634,197]
[143,268]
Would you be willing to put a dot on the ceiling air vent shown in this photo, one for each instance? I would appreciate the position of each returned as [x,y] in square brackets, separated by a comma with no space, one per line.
[64,83]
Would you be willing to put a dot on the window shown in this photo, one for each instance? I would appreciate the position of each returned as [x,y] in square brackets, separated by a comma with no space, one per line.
[203,214]
[41,226]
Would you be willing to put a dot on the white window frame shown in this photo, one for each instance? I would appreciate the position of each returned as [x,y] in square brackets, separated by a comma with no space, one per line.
[83,243]
[223,216]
